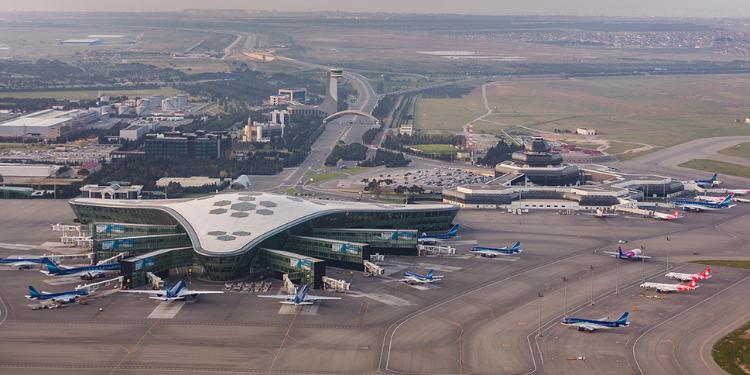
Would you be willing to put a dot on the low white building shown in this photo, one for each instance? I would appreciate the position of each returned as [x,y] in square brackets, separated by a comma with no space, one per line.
[136,130]
[585,131]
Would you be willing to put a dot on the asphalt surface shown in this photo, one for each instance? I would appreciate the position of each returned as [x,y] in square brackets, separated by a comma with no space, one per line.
[667,161]
[482,319]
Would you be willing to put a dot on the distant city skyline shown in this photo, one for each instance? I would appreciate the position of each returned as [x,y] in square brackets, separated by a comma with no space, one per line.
[613,8]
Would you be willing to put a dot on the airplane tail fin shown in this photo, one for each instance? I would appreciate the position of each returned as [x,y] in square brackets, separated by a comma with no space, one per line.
[51,265]
[619,251]
[707,272]
[516,246]
[33,293]
[623,319]
[727,200]
[429,274]
[454,230]
[714,177]
[693,283]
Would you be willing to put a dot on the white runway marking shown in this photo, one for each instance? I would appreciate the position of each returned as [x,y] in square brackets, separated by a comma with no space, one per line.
[166,310]
[17,246]
[383,298]
[302,309]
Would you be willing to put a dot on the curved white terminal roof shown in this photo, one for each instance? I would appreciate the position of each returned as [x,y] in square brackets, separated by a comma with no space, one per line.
[229,224]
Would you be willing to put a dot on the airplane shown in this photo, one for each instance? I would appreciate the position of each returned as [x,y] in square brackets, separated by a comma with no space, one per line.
[177,292]
[85,272]
[415,278]
[591,325]
[705,275]
[635,254]
[300,297]
[666,288]
[708,198]
[738,191]
[21,263]
[601,214]
[689,205]
[707,183]
[436,237]
[491,252]
[663,216]
[64,297]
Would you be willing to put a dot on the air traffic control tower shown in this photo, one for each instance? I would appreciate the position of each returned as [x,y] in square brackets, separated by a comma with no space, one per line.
[329,105]
[331,102]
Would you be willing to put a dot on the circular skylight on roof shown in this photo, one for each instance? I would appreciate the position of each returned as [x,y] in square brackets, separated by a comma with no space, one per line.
[226,238]
[218,211]
[222,203]
[216,233]
[267,204]
[246,199]
[241,233]
[240,214]
[264,212]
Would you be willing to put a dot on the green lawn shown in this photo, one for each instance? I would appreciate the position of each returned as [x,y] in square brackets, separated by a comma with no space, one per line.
[620,147]
[655,110]
[720,167]
[435,149]
[86,94]
[741,150]
[732,352]
[332,173]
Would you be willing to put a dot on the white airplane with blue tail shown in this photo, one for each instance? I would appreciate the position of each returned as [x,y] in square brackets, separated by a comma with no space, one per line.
[491,252]
[591,325]
[300,297]
[177,292]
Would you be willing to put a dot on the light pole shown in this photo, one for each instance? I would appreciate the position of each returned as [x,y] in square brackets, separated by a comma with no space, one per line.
[539,332]
[617,276]
[643,264]
[668,239]
[565,296]
[591,267]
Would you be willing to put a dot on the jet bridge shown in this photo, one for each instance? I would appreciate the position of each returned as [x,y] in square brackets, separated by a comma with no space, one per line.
[91,288]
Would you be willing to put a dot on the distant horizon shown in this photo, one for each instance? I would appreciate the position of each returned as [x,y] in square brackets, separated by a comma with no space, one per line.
[572,8]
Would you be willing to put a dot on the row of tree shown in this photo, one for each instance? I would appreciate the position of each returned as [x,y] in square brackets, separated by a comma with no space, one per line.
[342,151]
[499,153]
[387,158]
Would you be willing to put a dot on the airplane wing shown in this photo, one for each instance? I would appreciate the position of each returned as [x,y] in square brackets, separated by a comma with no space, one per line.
[587,326]
[150,292]
[277,296]
[196,292]
[643,257]
[319,298]
[611,252]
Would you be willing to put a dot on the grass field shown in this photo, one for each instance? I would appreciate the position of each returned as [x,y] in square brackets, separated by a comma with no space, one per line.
[732,352]
[332,173]
[724,263]
[435,149]
[449,115]
[719,167]
[654,110]
[86,94]
[741,150]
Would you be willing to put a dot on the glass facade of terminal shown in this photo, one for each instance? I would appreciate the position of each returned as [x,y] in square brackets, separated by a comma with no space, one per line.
[226,268]
[383,241]
[337,253]
[158,262]
[135,215]
[115,230]
[427,220]
[134,246]
[301,269]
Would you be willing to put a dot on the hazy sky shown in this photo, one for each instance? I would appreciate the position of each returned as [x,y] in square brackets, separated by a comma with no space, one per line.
[671,8]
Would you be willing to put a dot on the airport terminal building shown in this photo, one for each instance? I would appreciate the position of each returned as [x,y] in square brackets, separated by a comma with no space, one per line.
[234,235]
